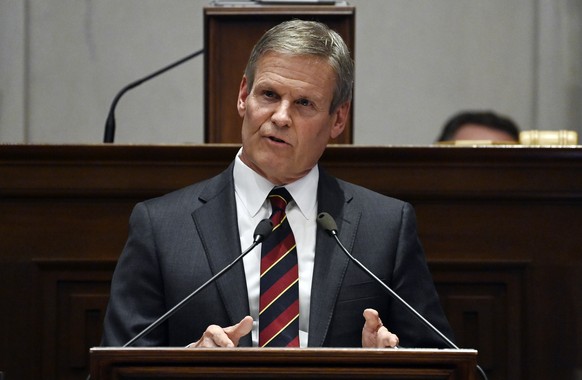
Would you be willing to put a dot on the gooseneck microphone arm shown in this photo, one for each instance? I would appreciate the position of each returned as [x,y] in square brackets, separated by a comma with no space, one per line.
[110,123]
[263,229]
[329,225]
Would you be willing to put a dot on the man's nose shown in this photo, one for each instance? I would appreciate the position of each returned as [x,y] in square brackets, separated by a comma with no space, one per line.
[282,115]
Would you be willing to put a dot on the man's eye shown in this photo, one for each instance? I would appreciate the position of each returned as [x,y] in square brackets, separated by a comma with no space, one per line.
[269,94]
[304,102]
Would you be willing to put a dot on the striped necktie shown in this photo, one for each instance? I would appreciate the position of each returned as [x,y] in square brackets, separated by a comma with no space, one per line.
[279,302]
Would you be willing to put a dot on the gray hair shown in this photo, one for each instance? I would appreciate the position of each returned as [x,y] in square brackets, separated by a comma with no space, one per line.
[298,37]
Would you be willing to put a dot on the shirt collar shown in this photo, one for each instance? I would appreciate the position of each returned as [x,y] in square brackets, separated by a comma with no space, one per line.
[252,189]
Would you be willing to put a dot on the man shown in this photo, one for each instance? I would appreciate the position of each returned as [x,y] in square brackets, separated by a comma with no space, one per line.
[480,125]
[294,97]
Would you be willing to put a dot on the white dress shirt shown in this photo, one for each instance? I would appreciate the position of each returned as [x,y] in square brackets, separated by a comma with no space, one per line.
[252,206]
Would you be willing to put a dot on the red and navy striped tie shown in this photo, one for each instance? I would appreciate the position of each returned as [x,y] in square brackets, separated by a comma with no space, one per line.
[279,302]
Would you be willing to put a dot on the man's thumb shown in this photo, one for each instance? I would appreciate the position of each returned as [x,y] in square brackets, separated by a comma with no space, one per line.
[241,329]
[373,321]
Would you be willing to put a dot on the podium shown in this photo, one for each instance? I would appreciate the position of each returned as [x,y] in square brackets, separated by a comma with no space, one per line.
[276,363]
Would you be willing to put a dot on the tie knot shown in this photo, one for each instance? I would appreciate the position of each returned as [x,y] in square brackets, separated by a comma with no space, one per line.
[279,198]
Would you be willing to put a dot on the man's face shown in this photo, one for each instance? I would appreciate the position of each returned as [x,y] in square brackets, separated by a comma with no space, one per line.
[481,132]
[286,119]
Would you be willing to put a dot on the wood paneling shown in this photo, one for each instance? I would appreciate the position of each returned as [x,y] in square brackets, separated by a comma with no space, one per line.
[499,226]
[485,304]
[73,296]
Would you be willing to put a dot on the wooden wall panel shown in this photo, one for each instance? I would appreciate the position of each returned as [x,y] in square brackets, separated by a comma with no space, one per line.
[74,298]
[485,304]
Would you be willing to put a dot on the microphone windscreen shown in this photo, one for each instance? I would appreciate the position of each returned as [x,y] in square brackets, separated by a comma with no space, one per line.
[327,222]
[263,229]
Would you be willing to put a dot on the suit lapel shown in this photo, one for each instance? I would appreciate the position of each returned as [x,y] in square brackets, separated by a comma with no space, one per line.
[330,261]
[222,245]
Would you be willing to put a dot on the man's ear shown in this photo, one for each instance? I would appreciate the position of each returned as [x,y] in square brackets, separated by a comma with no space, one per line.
[243,93]
[341,118]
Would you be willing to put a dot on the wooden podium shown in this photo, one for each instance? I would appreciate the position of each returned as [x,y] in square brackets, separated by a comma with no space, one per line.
[276,363]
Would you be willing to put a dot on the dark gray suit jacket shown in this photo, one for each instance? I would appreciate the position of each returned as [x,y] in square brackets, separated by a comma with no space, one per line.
[178,241]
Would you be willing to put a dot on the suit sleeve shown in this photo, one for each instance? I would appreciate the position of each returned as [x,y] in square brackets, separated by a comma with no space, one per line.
[413,282]
[137,295]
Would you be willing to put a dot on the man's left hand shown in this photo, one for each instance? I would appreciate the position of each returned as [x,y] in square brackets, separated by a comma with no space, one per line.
[375,334]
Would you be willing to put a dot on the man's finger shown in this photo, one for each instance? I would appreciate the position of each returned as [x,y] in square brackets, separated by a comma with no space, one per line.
[386,339]
[240,329]
[216,336]
[373,321]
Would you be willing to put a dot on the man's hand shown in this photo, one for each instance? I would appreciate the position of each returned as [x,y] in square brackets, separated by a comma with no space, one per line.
[216,336]
[375,334]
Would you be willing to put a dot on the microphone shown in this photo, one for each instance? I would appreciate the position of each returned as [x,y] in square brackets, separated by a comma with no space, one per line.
[263,229]
[326,221]
[110,123]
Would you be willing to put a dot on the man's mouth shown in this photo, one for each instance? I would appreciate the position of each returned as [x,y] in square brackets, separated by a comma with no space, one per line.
[277,140]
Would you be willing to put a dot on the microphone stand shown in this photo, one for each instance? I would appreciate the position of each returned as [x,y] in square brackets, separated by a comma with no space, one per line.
[110,123]
[262,230]
[327,222]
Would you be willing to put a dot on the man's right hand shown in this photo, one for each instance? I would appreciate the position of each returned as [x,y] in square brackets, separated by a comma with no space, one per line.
[216,336]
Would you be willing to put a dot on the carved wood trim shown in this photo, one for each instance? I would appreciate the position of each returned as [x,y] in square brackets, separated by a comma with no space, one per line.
[74,295]
[485,304]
